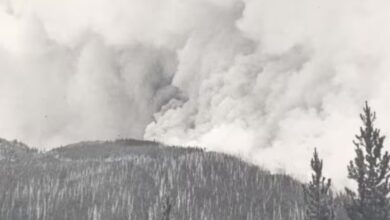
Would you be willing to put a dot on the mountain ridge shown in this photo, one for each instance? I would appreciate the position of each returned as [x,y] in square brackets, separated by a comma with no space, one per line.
[130,179]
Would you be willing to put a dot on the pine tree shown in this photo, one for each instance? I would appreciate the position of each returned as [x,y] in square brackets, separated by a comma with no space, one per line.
[318,195]
[370,170]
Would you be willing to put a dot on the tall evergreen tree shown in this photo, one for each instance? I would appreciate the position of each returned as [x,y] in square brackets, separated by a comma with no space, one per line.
[370,170]
[318,195]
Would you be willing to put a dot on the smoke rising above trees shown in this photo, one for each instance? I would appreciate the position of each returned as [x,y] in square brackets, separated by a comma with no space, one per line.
[254,78]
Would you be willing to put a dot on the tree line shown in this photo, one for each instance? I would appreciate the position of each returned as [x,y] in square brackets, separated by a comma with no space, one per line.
[369,169]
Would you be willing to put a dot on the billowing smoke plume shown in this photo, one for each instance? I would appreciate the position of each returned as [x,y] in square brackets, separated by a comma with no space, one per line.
[264,79]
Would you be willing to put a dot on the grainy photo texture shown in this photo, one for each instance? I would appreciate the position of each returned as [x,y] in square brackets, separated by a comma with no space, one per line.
[194,109]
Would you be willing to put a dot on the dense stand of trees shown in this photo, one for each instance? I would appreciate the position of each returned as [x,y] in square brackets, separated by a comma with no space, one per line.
[129,179]
[121,180]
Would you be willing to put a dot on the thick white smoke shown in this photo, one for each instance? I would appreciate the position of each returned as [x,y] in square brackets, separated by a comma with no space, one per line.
[264,79]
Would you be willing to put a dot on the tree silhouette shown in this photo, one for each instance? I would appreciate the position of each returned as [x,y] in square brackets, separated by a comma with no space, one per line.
[370,170]
[318,195]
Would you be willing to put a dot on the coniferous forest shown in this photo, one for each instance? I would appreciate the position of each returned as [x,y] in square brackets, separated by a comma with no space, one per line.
[132,179]
[128,179]
[194,110]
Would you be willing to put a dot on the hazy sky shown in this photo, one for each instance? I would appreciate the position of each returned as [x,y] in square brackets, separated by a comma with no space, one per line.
[264,79]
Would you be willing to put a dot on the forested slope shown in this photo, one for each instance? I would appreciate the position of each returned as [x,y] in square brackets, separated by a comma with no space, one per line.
[130,179]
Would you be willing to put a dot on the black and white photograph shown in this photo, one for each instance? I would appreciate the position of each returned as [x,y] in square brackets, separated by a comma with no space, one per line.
[194,109]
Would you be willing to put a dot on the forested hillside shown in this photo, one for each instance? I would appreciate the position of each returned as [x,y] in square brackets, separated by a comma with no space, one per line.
[129,179]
